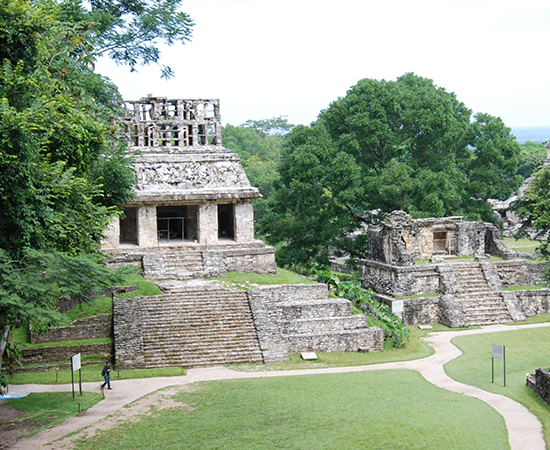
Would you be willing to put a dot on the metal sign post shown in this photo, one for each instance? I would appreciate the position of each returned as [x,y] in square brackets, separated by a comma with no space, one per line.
[499,352]
[75,365]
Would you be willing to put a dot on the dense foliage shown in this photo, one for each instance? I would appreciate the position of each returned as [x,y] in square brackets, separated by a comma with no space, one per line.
[258,144]
[387,145]
[63,169]
[534,209]
[394,330]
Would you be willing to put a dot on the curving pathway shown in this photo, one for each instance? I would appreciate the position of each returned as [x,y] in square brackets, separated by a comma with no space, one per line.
[524,429]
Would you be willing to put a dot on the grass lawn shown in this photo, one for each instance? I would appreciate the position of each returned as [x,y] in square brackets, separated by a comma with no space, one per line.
[52,408]
[90,373]
[521,245]
[370,410]
[526,350]
[241,280]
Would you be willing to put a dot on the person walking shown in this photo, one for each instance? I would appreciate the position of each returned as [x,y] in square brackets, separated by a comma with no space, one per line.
[106,373]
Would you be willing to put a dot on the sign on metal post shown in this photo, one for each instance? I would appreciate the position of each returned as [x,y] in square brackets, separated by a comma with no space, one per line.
[75,365]
[499,352]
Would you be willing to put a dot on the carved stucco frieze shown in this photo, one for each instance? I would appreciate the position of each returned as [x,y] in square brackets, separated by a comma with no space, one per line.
[190,175]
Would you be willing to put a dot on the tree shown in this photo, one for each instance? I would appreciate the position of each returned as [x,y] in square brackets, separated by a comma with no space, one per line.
[128,31]
[63,168]
[533,155]
[258,144]
[404,144]
[534,209]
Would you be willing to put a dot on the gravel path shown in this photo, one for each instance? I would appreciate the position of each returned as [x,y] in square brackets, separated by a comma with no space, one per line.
[524,430]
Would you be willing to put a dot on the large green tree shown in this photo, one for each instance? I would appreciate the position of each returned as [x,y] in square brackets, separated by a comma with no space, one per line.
[534,209]
[258,144]
[404,144]
[63,168]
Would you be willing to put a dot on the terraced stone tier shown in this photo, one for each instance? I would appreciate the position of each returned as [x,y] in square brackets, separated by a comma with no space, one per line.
[484,308]
[197,327]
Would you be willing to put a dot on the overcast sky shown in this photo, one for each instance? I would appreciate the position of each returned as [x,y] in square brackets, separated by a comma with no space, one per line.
[266,58]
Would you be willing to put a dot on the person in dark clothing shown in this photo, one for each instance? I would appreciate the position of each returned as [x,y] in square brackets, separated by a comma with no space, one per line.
[106,373]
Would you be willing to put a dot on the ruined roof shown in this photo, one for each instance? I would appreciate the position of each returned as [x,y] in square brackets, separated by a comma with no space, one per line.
[180,152]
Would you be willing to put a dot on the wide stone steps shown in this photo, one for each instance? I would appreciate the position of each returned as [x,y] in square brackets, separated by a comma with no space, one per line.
[199,326]
[485,308]
[320,325]
[182,263]
[471,278]
[328,307]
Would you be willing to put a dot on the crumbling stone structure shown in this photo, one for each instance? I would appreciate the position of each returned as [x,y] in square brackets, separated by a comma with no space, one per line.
[467,293]
[198,325]
[192,215]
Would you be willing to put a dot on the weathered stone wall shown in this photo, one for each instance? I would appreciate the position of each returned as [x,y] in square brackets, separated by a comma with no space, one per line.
[45,355]
[95,327]
[519,272]
[128,332]
[194,261]
[399,281]
[534,302]
[416,311]
[413,280]
[540,383]
[298,318]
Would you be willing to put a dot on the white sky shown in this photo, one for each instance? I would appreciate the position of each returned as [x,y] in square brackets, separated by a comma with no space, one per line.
[265,58]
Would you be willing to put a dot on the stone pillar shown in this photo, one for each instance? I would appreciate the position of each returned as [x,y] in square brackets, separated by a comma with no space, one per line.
[147,226]
[208,224]
[112,235]
[244,222]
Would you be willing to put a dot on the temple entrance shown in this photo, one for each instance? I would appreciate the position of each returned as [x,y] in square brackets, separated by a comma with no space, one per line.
[177,223]
[440,242]
[128,227]
[226,221]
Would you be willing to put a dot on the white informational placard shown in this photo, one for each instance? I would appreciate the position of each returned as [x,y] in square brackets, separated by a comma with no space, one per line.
[397,306]
[75,362]
[498,351]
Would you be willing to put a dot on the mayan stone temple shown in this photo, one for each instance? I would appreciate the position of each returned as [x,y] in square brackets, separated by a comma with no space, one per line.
[192,215]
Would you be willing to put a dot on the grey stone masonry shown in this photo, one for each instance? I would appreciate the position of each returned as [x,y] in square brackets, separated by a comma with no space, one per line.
[540,383]
[190,327]
[95,327]
[298,318]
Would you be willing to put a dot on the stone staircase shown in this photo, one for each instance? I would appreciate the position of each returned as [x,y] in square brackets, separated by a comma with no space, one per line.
[180,263]
[308,320]
[198,326]
[481,304]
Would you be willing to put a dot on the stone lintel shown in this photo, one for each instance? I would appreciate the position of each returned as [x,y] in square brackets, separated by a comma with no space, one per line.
[195,196]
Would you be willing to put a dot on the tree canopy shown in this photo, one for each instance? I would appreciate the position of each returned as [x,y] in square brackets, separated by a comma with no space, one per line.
[63,168]
[534,209]
[387,145]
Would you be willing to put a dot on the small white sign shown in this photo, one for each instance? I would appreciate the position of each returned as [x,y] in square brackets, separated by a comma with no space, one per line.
[498,351]
[397,306]
[75,362]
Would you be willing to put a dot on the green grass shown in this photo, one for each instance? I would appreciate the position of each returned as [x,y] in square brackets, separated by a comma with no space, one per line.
[521,245]
[368,410]
[91,373]
[106,340]
[522,288]
[239,280]
[52,408]
[104,305]
[526,350]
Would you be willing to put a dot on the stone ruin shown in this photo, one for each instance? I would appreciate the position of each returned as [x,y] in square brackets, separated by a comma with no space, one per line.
[459,293]
[192,217]
[192,214]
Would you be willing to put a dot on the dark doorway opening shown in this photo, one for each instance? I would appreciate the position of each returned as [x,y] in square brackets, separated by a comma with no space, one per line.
[177,223]
[128,227]
[226,221]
